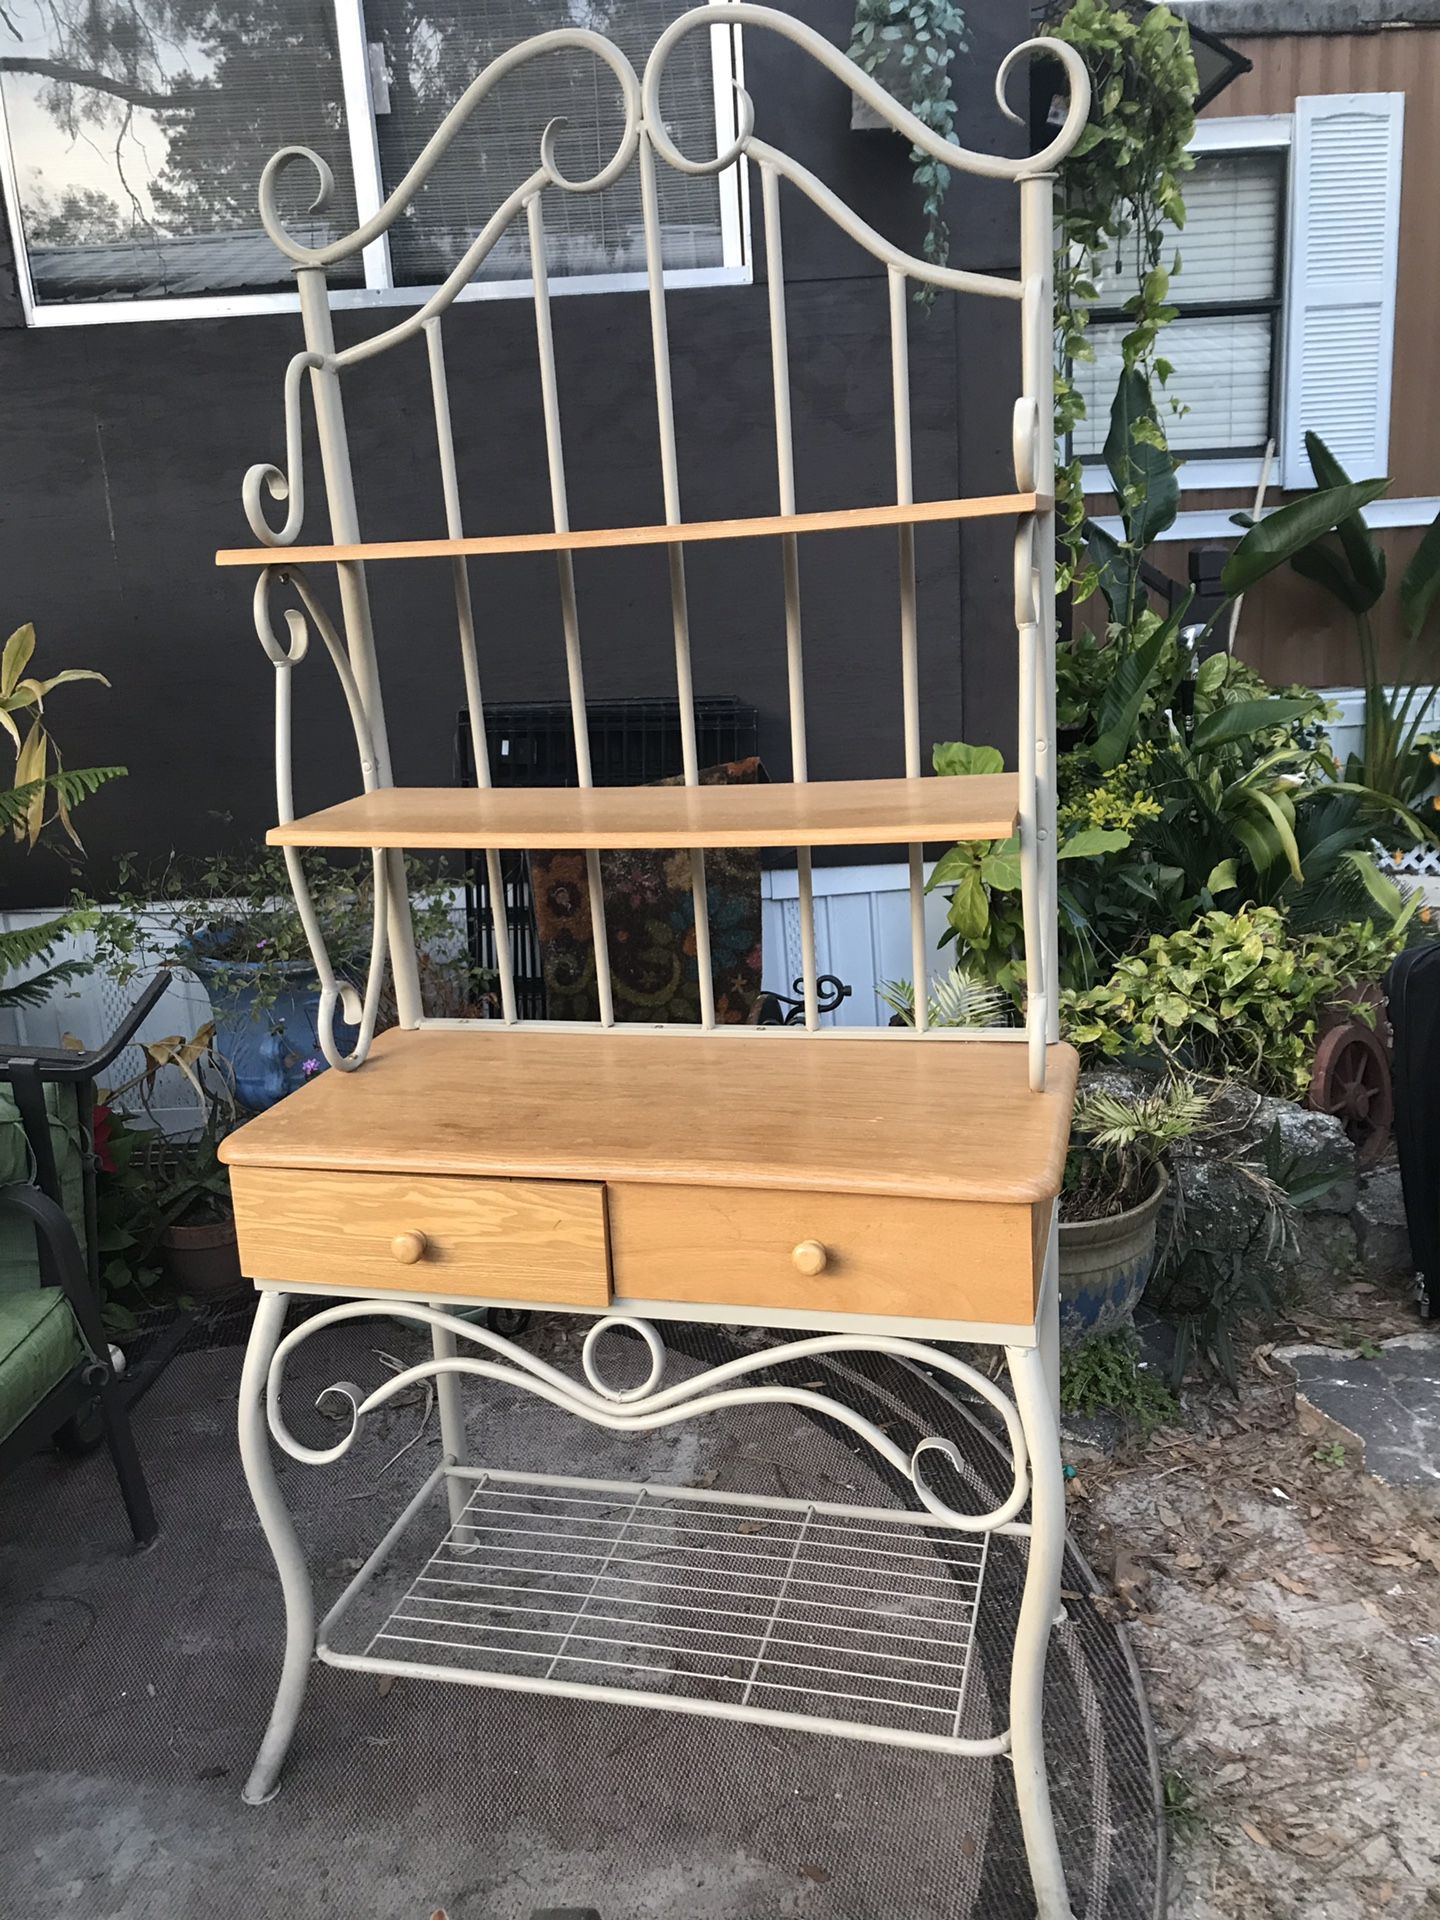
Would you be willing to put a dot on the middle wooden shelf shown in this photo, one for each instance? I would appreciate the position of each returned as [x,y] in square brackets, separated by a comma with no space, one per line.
[817,813]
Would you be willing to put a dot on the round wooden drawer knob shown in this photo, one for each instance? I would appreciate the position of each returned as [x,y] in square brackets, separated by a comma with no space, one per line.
[810,1256]
[408,1248]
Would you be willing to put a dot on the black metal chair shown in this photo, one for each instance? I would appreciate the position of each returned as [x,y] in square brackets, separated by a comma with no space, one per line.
[61,1380]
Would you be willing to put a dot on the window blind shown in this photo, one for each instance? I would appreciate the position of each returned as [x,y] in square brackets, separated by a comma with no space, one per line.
[1230,258]
[427,66]
[154,195]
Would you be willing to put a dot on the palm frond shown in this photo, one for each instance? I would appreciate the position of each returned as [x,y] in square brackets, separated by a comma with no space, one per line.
[957,999]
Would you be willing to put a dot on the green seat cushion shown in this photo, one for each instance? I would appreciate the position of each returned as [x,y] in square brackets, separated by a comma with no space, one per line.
[39,1344]
[19,1267]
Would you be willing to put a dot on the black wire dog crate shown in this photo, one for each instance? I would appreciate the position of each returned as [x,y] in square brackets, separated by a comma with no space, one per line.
[531,744]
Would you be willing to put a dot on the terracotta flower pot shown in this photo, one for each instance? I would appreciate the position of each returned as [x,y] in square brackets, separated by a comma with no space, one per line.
[1105,1265]
[203,1262]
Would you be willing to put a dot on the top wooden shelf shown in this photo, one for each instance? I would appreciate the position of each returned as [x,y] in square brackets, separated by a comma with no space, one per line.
[819,813]
[982,507]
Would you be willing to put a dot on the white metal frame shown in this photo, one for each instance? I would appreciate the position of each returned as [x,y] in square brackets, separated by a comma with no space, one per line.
[379,291]
[1030,1413]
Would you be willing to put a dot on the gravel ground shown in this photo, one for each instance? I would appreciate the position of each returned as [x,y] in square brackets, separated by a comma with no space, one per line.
[1285,1607]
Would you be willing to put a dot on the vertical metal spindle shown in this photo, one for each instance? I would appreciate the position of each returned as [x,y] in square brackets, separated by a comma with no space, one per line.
[465,620]
[679,603]
[909,649]
[1037,270]
[794,653]
[355,610]
[569,610]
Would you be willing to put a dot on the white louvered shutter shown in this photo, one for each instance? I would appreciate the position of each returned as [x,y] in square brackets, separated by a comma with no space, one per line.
[1343,258]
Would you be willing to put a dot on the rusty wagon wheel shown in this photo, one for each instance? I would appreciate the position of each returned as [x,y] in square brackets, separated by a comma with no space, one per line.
[1351,1079]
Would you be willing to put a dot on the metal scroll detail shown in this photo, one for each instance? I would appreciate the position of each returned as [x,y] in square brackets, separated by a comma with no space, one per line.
[649,1404]
[333,991]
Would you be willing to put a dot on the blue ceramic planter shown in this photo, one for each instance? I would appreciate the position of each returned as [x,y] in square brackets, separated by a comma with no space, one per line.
[1105,1266]
[266,1048]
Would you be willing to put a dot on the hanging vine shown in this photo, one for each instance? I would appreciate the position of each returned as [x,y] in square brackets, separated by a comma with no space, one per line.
[1119,189]
[910,45]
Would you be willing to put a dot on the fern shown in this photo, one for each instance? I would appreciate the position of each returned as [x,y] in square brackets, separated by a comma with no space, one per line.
[69,785]
[22,947]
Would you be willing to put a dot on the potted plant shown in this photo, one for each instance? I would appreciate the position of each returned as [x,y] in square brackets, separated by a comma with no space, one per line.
[1114,1187]
[231,920]
[189,1224]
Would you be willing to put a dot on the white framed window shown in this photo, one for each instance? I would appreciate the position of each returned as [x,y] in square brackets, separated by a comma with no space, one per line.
[133,133]
[1285,299]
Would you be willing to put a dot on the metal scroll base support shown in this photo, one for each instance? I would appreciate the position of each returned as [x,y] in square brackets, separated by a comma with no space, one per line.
[723,1605]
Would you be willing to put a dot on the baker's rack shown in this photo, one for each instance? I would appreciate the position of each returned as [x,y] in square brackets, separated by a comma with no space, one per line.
[534,1617]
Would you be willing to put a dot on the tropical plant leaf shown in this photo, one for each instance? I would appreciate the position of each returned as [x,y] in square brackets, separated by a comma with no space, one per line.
[1139,463]
[1380,887]
[1421,580]
[956,757]
[1284,533]
[1125,695]
[1366,560]
[15,659]
[1090,842]
[1326,565]
[1114,570]
[1284,827]
[1243,718]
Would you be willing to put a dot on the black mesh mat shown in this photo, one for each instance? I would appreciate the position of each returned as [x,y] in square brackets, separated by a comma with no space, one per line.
[134,1692]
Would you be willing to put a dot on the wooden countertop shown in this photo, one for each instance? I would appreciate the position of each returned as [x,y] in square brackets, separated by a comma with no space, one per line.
[939,1119]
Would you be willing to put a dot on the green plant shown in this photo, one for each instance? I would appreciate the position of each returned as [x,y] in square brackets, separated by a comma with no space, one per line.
[41,795]
[148,1182]
[1349,564]
[130,1275]
[1119,188]
[1233,994]
[1182,1809]
[235,913]
[910,45]
[1119,1143]
[1331,1454]
[1105,1374]
[957,999]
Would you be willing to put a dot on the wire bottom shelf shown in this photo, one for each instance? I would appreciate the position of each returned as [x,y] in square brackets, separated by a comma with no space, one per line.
[843,1620]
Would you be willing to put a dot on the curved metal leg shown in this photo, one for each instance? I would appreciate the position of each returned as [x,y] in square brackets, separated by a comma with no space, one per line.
[1031,1374]
[279,1531]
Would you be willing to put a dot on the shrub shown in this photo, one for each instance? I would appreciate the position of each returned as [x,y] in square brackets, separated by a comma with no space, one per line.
[1233,993]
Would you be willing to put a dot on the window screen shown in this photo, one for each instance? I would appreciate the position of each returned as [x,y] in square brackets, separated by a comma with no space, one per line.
[1222,344]
[138,130]
[430,56]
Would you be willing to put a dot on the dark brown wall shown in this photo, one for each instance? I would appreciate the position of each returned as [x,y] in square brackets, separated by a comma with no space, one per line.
[123,449]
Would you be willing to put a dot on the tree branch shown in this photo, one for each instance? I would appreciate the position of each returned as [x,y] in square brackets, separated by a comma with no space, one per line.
[97,82]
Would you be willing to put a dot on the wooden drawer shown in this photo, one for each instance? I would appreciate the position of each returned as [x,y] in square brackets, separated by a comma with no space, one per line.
[500,1239]
[833,1252]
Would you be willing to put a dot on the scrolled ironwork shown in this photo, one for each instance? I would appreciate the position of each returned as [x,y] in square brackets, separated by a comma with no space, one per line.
[564,39]
[649,1405]
[334,992]
[287,484]
[744,13]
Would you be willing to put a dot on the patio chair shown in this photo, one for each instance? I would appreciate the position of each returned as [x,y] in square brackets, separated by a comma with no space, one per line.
[57,1383]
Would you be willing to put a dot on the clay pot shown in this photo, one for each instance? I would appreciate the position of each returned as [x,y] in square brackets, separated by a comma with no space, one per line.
[204,1262]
